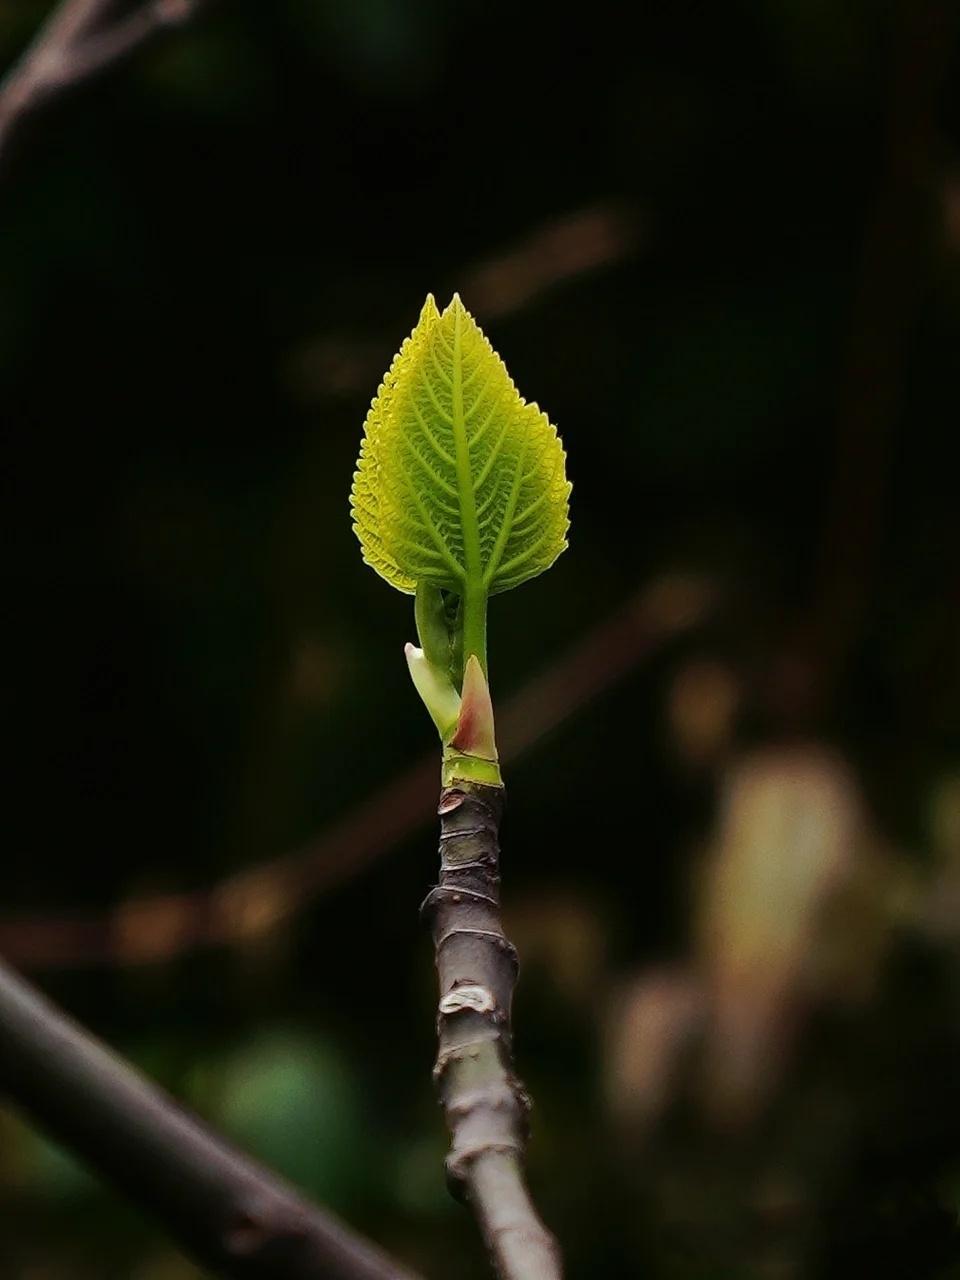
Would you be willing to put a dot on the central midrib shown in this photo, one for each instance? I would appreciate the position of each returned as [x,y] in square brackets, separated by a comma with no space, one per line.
[473,567]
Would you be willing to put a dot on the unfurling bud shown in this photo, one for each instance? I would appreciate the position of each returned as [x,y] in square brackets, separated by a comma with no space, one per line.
[474,735]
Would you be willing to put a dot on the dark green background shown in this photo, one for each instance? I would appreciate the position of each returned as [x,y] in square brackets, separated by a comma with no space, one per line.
[199,672]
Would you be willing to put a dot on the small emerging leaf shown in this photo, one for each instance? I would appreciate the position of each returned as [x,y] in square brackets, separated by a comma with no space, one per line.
[475,731]
[436,689]
[460,482]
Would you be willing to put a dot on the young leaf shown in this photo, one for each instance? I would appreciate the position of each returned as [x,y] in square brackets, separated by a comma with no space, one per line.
[460,482]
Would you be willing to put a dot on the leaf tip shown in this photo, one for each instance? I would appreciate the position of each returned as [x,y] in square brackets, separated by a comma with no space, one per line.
[456,305]
[429,310]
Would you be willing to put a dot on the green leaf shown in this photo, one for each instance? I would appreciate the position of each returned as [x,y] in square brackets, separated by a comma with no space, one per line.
[460,482]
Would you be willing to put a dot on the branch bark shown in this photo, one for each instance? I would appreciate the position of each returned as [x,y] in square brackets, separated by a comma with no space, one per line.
[76,44]
[484,1102]
[223,1209]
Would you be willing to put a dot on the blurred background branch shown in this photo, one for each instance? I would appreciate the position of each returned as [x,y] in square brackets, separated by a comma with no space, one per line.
[250,904]
[897,271]
[80,40]
[222,1208]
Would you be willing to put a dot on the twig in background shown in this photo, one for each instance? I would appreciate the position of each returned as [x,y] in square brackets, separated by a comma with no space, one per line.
[894,272]
[79,42]
[252,903]
[556,252]
[224,1209]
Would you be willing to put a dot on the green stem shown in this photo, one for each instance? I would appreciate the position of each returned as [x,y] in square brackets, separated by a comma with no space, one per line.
[474,620]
